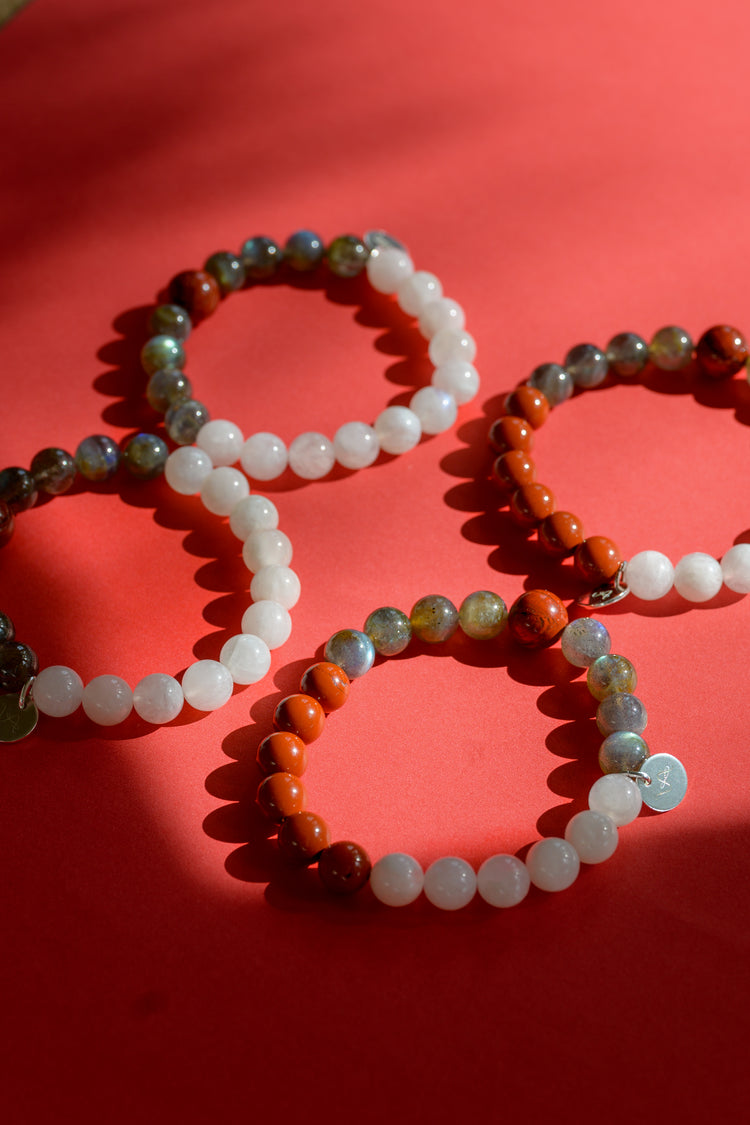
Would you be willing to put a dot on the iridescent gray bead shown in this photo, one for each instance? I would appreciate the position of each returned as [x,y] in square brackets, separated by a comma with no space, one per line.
[261,257]
[351,650]
[609,674]
[167,387]
[184,420]
[627,354]
[482,615]
[145,456]
[622,752]
[347,255]
[227,269]
[434,619]
[53,470]
[97,457]
[170,320]
[7,628]
[555,383]
[621,711]
[162,351]
[671,348]
[587,364]
[389,629]
[304,250]
[18,489]
[583,641]
[382,240]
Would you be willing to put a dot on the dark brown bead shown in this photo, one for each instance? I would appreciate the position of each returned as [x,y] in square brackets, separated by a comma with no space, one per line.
[195,290]
[721,351]
[302,715]
[281,795]
[7,628]
[560,533]
[282,752]
[302,837]
[597,559]
[344,867]
[17,489]
[53,470]
[531,503]
[18,663]
[511,432]
[6,524]
[513,469]
[326,683]
[536,618]
[529,403]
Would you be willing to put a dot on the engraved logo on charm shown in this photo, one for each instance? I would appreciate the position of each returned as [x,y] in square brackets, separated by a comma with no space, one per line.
[16,721]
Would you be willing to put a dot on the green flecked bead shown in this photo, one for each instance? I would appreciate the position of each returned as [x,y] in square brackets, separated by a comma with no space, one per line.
[671,348]
[609,674]
[623,752]
[261,257]
[434,618]
[483,615]
[389,629]
[162,351]
[145,456]
[227,269]
[184,419]
[167,387]
[97,457]
[170,320]
[347,255]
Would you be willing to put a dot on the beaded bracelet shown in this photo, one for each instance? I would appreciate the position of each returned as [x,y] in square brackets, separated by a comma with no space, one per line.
[720,353]
[631,775]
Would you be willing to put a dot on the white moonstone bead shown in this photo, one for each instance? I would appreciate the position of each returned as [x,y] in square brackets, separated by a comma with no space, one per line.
[417,291]
[396,879]
[311,456]
[107,700]
[649,575]
[186,469]
[222,489]
[264,456]
[254,513]
[277,584]
[617,796]
[221,440]
[57,691]
[398,429]
[698,577]
[503,880]
[450,883]
[440,314]
[436,409]
[388,268]
[355,445]
[266,548]
[247,657]
[553,864]
[158,698]
[269,621]
[458,377]
[735,568]
[593,835]
[207,685]
[449,344]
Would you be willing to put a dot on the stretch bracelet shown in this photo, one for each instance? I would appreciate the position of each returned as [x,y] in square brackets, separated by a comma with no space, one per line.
[720,353]
[631,774]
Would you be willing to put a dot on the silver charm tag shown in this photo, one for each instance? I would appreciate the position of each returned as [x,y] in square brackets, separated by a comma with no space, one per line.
[17,719]
[608,593]
[666,784]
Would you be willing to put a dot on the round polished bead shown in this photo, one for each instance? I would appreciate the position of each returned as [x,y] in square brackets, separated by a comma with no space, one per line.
[196,291]
[433,618]
[610,673]
[482,615]
[269,621]
[450,883]
[593,835]
[388,268]
[721,351]
[302,837]
[355,445]
[531,503]
[528,403]
[107,700]
[698,577]
[186,469]
[553,864]
[53,470]
[671,348]
[347,255]
[222,489]
[597,559]
[281,795]
[536,618]
[627,354]
[221,440]
[160,352]
[145,456]
[436,409]
[261,257]
[344,867]
[18,663]
[587,365]
[170,320]
[207,685]
[301,715]
[398,429]
[227,269]
[623,751]
[351,650]
[583,641]
[253,513]
[617,796]
[270,547]
[276,584]
[396,879]
[247,657]
[327,683]
[304,250]
[264,456]
[6,524]
[7,628]
[511,432]
[97,457]
[166,387]
[58,691]
[440,314]
[555,383]
[735,568]
[311,456]
[560,533]
[282,752]
[459,378]
[417,290]
[503,880]
[389,629]
[649,575]
[513,469]
[451,344]
[18,489]
[621,711]
[158,698]
[185,419]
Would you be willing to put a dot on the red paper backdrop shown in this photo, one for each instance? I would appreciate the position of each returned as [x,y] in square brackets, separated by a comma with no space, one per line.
[569,171]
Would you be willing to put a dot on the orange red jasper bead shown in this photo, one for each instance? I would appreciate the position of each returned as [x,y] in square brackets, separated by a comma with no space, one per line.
[302,715]
[197,291]
[536,618]
[560,533]
[302,837]
[281,795]
[327,684]
[344,867]
[528,403]
[721,351]
[282,752]
[513,469]
[511,432]
[597,559]
[531,503]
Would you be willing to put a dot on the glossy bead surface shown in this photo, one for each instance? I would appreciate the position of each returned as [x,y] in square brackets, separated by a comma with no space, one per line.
[196,291]
[351,650]
[597,559]
[344,867]
[439,314]
[281,795]
[276,584]
[617,796]
[186,469]
[269,547]
[170,320]
[347,255]
[282,752]
[388,269]
[627,354]
[53,470]
[553,864]
[671,348]
[58,691]
[587,365]
[482,615]
[735,568]
[227,269]
[622,752]
[611,673]
[160,352]
[145,456]
[531,503]
[253,513]
[97,457]
[450,883]
[560,533]
[327,683]
[18,489]
[555,383]
[396,879]
[451,344]
[158,698]
[398,429]
[435,409]
[698,577]
[503,880]
[167,387]
[583,641]
[721,351]
[269,621]
[389,629]
[621,711]
[356,445]
[459,378]
[107,700]
[261,257]
[207,685]
[223,488]
[302,837]
[311,456]
[649,575]
[593,835]
[434,619]
[536,618]
[300,714]
[511,432]
[7,524]
[304,250]
[417,290]
[222,440]
[528,403]
[247,657]
[18,663]
[184,420]
[264,456]
[513,469]
[7,628]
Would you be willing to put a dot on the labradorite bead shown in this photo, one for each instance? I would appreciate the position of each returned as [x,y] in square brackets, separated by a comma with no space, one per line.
[382,240]
[162,351]
[53,470]
[621,711]
[609,674]
[145,456]
[184,420]
[7,628]
[434,618]
[167,387]
[482,615]
[97,457]
[555,383]
[6,524]
[627,354]
[18,489]
[170,320]
[389,629]
[304,250]
[347,255]
[227,269]
[622,752]
[587,364]
[18,663]
[351,650]
[261,257]
[671,348]
[583,641]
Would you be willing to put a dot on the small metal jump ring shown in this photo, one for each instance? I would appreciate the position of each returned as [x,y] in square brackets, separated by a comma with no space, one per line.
[608,593]
[639,775]
[26,695]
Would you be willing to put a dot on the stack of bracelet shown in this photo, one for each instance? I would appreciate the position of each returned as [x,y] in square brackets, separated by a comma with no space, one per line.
[632,775]
[721,352]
